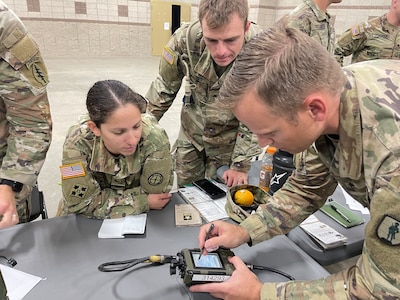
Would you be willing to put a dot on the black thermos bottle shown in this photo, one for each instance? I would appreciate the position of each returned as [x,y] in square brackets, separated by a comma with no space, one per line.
[281,170]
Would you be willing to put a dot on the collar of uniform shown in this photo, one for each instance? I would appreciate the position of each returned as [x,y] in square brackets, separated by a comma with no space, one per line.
[321,16]
[386,26]
[350,144]
[204,66]
[105,162]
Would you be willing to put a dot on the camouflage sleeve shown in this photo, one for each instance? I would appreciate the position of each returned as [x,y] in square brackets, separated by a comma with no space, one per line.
[351,41]
[157,175]
[302,194]
[25,133]
[303,24]
[84,195]
[165,87]
[365,280]
[333,287]
[246,147]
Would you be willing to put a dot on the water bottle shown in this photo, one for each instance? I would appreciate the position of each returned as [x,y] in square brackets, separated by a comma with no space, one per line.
[266,168]
[282,169]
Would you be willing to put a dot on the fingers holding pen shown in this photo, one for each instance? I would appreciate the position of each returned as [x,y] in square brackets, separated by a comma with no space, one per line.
[207,232]
[220,235]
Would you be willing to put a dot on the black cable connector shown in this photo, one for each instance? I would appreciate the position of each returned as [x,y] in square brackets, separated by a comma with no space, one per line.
[10,261]
[253,267]
[117,266]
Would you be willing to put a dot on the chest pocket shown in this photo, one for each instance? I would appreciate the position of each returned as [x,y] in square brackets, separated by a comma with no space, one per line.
[107,181]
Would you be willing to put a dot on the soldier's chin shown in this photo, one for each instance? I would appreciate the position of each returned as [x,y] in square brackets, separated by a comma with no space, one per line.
[127,152]
[223,62]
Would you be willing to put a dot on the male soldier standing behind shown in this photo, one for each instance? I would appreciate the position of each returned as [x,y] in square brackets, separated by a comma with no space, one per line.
[25,122]
[312,18]
[379,38]
[203,52]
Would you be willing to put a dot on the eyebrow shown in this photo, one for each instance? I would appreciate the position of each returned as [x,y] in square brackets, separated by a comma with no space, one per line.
[230,38]
[124,128]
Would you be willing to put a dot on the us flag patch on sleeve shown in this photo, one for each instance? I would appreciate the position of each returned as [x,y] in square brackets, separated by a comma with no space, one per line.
[355,30]
[72,170]
[168,55]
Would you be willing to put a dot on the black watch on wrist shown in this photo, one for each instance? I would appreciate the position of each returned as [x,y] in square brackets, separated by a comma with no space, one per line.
[15,185]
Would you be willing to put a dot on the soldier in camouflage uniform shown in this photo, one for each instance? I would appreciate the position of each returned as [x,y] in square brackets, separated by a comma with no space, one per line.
[312,18]
[348,120]
[25,122]
[379,38]
[117,161]
[203,52]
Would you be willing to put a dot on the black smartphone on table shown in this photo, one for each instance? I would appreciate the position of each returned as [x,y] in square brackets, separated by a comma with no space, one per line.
[209,188]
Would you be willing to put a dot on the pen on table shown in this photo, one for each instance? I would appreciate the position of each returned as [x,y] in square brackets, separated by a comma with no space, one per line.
[207,237]
[340,213]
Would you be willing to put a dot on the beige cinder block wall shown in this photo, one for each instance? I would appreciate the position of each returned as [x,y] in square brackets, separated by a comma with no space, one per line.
[96,28]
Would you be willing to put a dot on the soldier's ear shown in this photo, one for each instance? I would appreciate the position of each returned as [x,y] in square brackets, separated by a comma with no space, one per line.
[315,104]
[93,128]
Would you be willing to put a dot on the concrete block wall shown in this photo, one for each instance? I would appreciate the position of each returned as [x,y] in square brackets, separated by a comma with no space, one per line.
[96,28]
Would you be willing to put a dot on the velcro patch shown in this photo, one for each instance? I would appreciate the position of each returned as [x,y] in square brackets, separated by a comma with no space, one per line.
[168,55]
[14,37]
[156,174]
[25,49]
[388,230]
[78,191]
[72,170]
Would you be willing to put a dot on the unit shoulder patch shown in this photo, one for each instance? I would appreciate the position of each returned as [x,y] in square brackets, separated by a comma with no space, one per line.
[155,179]
[78,191]
[388,230]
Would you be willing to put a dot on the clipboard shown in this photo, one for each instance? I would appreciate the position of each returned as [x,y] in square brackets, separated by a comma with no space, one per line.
[344,216]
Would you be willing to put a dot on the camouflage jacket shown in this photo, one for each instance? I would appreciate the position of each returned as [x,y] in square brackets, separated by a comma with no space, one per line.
[25,122]
[308,18]
[206,126]
[364,158]
[375,39]
[100,185]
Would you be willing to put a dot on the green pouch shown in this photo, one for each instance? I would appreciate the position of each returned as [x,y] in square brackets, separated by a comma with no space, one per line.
[239,213]
[344,216]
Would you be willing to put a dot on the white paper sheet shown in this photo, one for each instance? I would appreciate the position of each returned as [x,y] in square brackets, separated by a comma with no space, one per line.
[18,283]
[353,204]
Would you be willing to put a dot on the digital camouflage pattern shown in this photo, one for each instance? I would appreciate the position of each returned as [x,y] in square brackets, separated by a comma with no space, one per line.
[209,137]
[25,121]
[364,158]
[375,39]
[308,18]
[115,186]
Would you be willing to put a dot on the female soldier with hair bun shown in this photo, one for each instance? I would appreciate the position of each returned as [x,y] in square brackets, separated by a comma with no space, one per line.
[117,161]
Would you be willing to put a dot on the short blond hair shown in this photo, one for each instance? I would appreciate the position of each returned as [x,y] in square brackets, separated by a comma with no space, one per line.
[284,65]
[216,13]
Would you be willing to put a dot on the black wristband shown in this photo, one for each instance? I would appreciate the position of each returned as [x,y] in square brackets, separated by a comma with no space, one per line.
[15,185]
